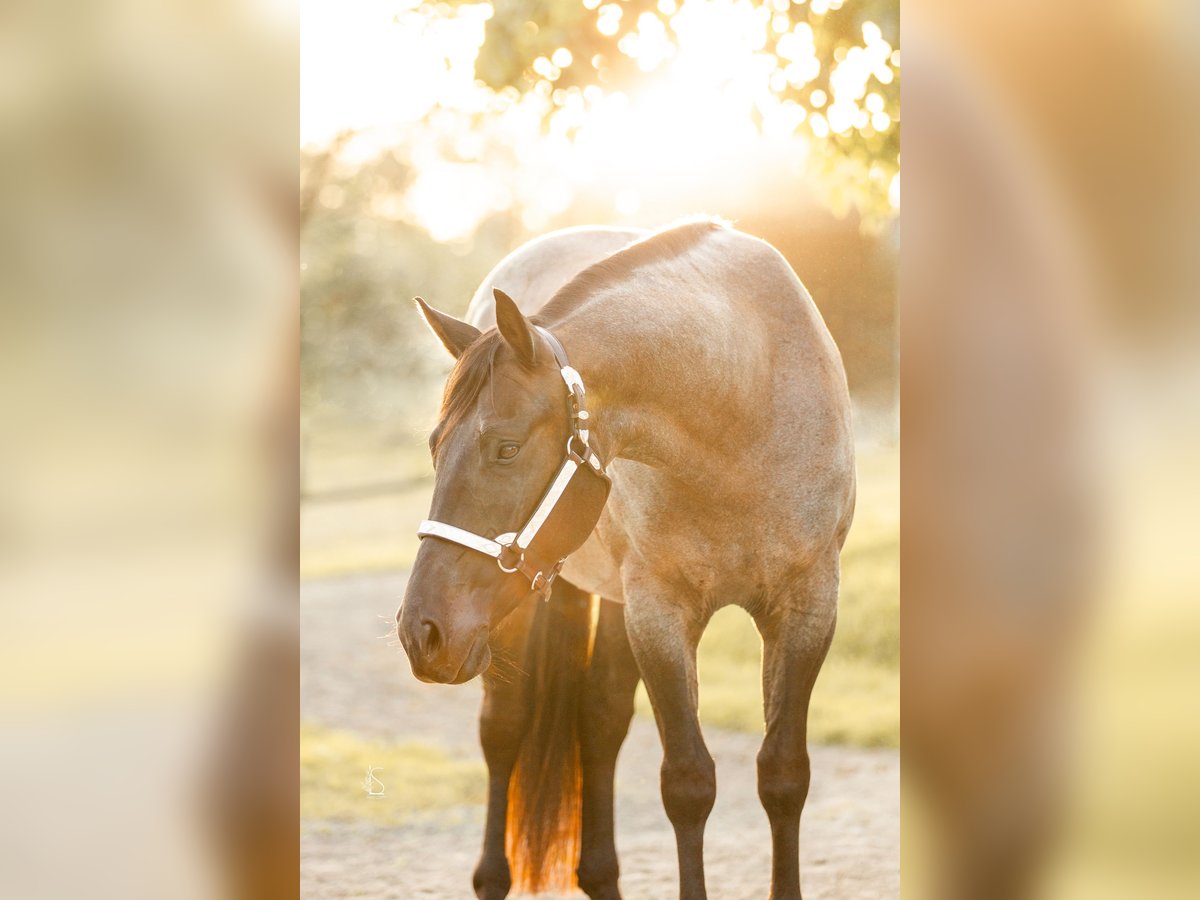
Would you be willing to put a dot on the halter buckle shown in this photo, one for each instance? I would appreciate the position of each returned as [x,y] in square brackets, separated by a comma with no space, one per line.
[580,454]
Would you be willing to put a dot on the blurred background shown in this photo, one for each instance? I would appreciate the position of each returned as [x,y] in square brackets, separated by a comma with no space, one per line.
[437,138]
[1048,326]
[148,384]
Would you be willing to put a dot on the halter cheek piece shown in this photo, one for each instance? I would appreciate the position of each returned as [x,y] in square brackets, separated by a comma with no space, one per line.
[509,549]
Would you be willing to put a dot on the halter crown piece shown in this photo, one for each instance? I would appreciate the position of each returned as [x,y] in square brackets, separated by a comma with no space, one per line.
[509,549]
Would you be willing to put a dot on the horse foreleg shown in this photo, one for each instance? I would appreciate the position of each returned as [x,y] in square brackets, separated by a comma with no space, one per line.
[796,628]
[502,723]
[604,716]
[663,632]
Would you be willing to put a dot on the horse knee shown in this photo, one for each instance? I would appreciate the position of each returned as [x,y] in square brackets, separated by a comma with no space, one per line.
[783,779]
[689,789]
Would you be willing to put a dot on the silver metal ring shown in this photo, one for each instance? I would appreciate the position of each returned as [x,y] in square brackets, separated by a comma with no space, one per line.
[504,568]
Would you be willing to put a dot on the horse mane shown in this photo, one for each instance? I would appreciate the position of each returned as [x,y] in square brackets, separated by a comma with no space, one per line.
[474,367]
[660,246]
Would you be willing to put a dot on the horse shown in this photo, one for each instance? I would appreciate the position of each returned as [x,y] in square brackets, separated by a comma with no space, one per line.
[670,432]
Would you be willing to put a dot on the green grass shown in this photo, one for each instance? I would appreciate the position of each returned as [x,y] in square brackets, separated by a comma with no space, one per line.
[418,779]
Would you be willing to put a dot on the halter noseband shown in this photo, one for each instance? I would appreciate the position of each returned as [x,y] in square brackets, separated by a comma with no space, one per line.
[509,549]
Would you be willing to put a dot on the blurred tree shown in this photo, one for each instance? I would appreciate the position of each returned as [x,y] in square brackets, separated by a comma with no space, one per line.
[830,65]
[361,264]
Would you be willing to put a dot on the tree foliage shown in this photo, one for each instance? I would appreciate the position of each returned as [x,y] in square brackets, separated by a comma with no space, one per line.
[835,65]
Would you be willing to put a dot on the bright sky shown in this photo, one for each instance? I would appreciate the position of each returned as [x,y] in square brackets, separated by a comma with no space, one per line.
[360,69]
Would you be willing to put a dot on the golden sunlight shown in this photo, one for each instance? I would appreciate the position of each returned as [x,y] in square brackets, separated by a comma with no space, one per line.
[717,78]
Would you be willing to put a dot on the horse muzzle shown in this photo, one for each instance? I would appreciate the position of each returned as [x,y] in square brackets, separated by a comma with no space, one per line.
[440,653]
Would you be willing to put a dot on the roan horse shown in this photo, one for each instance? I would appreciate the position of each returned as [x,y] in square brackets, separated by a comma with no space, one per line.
[708,461]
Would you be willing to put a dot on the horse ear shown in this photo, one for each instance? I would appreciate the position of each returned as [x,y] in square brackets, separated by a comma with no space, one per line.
[514,327]
[455,335]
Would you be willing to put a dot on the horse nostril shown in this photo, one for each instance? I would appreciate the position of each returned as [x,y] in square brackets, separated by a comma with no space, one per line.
[431,638]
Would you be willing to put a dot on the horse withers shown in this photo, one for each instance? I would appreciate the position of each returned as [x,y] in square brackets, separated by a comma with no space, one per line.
[713,465]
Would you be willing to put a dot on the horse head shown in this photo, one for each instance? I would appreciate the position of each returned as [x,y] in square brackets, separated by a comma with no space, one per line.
[504,431]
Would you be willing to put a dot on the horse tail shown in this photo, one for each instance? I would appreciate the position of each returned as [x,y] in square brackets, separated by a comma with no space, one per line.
[545,793]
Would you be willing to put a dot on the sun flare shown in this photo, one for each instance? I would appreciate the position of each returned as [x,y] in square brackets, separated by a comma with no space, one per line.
[721,80]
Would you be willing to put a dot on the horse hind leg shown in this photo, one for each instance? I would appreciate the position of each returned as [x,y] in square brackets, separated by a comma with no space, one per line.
[797,629]
[604,717]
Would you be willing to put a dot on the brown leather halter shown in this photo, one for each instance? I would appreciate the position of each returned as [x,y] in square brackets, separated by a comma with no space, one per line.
[513,550]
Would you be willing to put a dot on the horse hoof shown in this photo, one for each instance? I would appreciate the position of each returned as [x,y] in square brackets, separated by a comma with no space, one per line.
[491,891]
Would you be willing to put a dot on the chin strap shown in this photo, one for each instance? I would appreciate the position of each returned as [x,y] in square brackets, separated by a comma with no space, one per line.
[509,549]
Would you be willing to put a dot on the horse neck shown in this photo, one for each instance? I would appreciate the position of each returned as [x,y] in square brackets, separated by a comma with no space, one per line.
[654,387]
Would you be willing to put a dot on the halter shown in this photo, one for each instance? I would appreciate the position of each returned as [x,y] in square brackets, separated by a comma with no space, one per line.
[509,549]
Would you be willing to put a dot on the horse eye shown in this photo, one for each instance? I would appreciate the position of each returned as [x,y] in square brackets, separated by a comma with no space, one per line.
[508,450]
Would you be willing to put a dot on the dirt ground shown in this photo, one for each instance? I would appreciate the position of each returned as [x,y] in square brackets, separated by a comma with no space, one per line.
[354,677]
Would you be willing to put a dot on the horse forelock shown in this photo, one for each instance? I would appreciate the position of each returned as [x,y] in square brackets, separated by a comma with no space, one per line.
[466,382]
